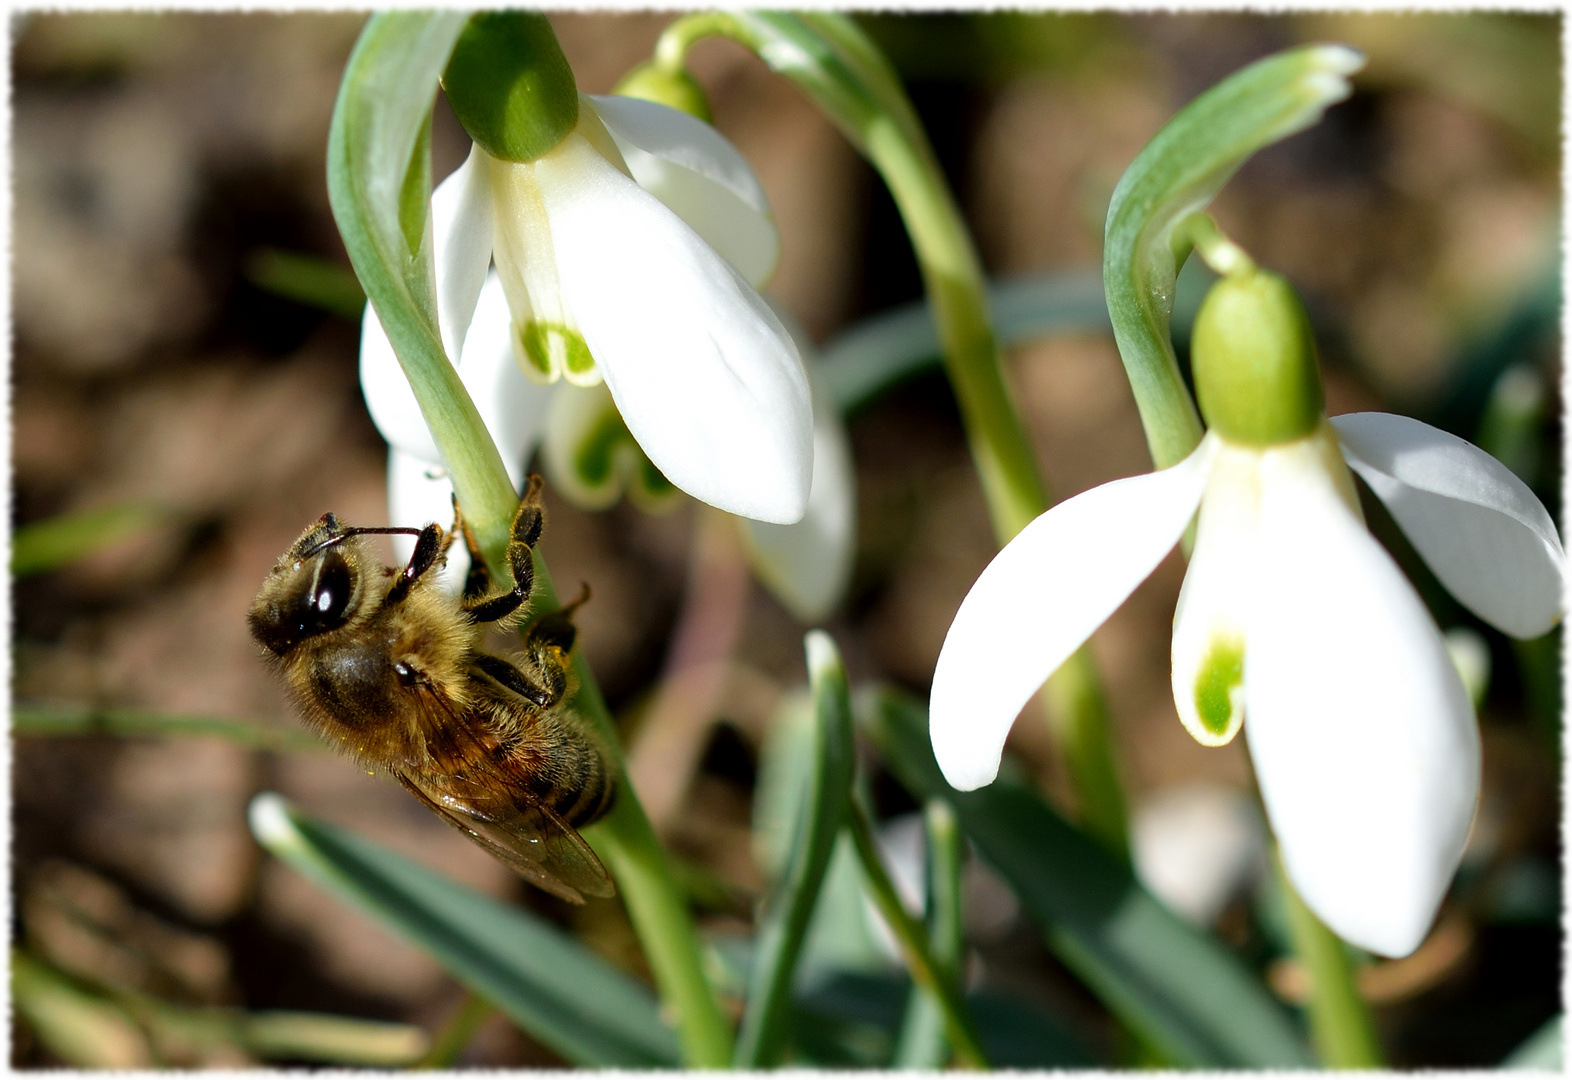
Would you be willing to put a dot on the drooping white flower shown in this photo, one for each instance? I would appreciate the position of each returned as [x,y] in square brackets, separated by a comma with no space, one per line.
[604,281]
[1292,620]
[587,452]
[807,565]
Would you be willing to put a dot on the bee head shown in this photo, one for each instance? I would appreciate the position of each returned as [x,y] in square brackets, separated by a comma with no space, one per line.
[312,590]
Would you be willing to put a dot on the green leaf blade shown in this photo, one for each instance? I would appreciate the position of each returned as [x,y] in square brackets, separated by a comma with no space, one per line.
[307,279]
[61,720]
[557,990]
[59,541]
[784,923]
[1178,988]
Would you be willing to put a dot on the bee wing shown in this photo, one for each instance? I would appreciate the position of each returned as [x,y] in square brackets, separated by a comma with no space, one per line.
[467,789]
[536,843]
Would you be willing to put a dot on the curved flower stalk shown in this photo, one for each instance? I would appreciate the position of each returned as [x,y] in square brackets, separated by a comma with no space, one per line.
[627,240]
[513,408]
[1291,616]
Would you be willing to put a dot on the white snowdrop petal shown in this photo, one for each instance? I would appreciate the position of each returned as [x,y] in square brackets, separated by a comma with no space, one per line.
[1363,738]
[689,166]
[1209,621]
[1477,526]
[389,399]
[808,565]
[420,493]
[513,407]
[694,170]
[707,380]
[672,135]
[461,216]
[1040,598]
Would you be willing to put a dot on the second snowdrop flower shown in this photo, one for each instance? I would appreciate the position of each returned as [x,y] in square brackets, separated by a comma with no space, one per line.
[1293,621]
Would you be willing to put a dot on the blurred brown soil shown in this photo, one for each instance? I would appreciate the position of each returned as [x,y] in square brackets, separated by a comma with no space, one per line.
[153,153]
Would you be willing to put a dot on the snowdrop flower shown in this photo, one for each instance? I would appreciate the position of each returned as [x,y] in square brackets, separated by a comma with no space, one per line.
[1292,617]
[626,236]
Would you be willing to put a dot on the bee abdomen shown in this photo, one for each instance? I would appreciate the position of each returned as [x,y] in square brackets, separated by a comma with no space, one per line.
[592,793]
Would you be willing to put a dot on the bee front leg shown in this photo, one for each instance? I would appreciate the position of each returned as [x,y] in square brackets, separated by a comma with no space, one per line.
[525,534]
[429,547]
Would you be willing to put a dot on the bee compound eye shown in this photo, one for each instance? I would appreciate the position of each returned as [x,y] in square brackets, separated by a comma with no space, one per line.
[327,601]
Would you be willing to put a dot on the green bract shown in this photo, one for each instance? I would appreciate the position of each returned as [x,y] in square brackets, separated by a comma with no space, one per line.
[510,86]
[1176,174]
[675,89]
[1253,358]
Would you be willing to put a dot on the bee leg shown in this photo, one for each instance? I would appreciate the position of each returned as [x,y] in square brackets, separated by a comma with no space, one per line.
[505,673]
[428,550]
[547,644]
[555,629]
[477,583]
[527,525]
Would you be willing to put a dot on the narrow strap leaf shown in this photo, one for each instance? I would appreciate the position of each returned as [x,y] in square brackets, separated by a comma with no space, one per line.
[925,971]
[762,1038]
[1179,989]
[60,541]
[542,979]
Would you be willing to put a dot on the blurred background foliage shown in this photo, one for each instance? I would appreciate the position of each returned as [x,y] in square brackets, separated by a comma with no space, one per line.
[184,397]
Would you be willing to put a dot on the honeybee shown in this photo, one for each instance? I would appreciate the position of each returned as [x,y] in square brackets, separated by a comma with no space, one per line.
[385,665]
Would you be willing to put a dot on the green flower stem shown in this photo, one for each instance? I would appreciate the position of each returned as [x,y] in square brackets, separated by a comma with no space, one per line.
[830,59]
[922,1044]
[834,63]
[457,1032]
[657,906]
[378,140]
[380,121]
[925,969]
[874,355]
[1341,1029]
[1078,717]
[1213,245]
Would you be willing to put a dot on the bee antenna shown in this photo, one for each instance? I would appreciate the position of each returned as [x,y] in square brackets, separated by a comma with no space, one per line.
[340,537]
[583,598]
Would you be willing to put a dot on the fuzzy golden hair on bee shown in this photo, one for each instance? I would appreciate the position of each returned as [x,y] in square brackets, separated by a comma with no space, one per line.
[386,665]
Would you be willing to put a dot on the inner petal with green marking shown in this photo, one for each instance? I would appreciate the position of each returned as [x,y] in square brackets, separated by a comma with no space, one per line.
[1219,688]
[552,350]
